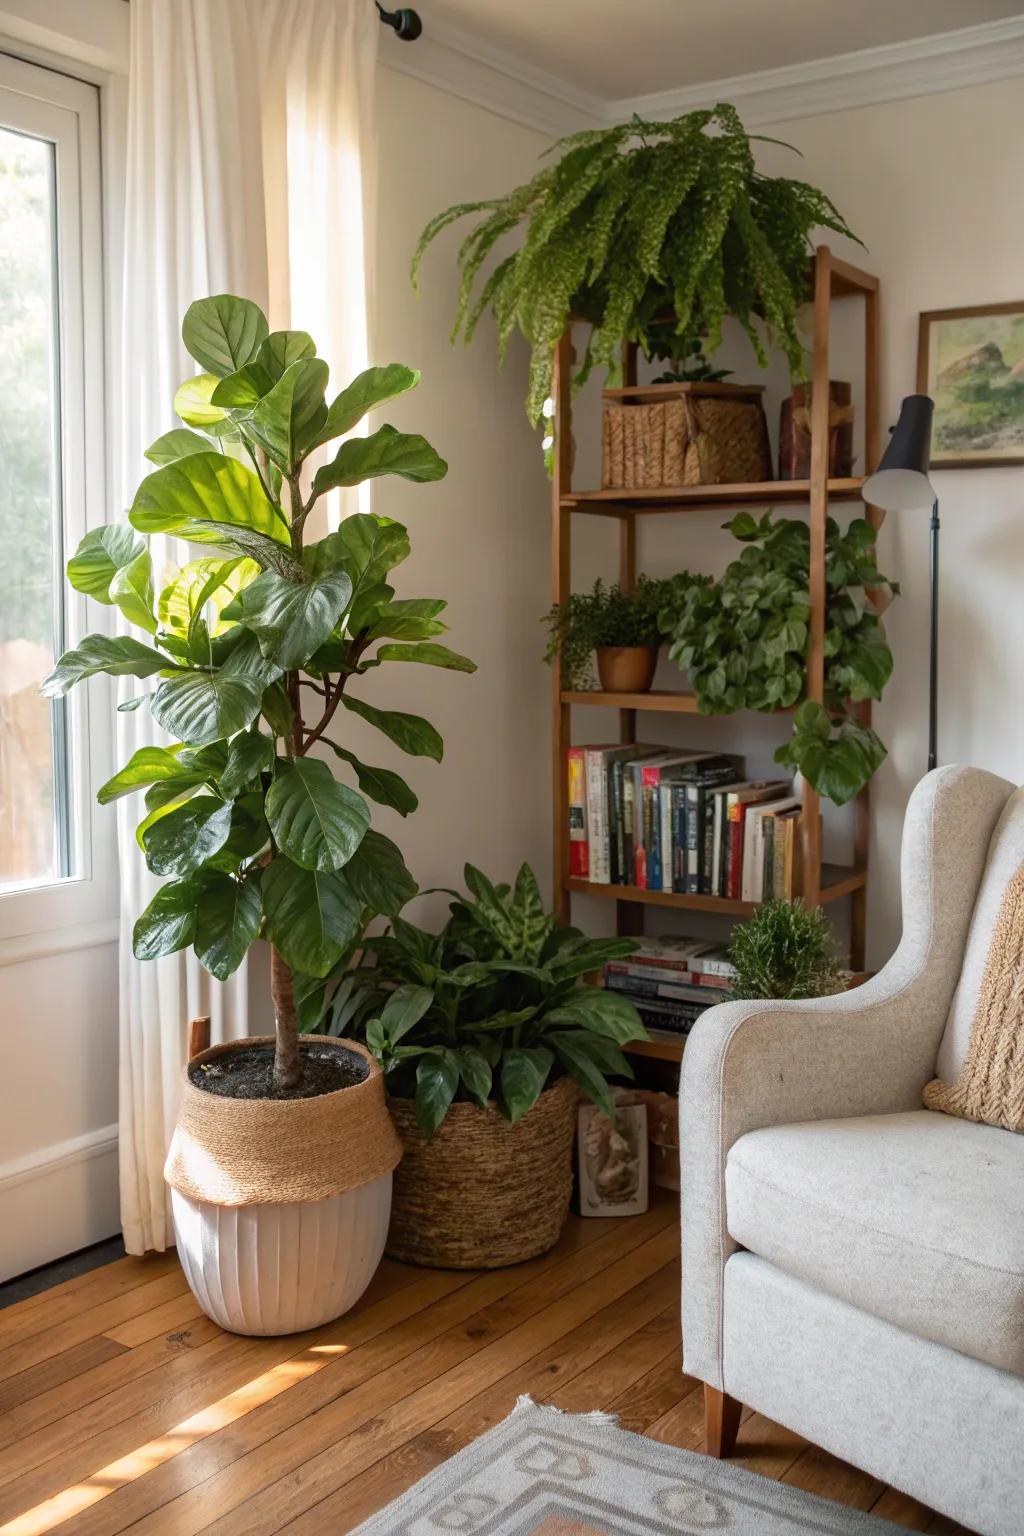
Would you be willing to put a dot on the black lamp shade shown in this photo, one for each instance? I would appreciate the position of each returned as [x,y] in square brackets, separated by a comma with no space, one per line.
[900,483]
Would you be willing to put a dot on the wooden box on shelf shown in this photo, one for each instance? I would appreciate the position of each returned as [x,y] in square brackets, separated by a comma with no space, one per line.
[684,434]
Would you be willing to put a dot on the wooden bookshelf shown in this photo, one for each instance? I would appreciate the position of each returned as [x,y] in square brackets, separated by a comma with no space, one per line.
[832,279]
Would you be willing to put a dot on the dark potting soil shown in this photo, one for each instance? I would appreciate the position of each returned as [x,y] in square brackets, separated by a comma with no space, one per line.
[249,1073]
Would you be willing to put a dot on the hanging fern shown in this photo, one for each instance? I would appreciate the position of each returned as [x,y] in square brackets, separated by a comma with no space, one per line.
[633,222]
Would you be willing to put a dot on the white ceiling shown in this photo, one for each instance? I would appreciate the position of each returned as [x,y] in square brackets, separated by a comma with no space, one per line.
[615,49]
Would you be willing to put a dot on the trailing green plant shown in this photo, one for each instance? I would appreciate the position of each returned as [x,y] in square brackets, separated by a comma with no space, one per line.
[607,615]
[633,221]
[684,354]
[491,1009]
[744,641]
[785,950]
[253,647]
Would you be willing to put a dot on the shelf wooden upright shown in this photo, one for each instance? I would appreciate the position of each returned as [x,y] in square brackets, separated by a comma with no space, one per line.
[832,279]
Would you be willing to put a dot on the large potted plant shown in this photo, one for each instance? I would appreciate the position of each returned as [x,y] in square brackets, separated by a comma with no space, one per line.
[487,1033]
[633,222]
[281,1163]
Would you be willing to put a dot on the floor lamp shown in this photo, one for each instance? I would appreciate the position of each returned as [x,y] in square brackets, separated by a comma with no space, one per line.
[901,484]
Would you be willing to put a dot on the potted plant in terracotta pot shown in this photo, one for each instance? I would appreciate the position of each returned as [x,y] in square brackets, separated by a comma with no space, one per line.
[619,628]
[487,1034]
[282,1159]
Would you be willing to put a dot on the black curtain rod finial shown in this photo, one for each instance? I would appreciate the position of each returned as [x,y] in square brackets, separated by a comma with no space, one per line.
[405,23]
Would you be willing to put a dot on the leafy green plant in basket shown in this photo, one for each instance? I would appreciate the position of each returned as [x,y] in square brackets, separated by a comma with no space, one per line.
[254,647]
[784,950]
[635,221]
[491,1008]
[744,642]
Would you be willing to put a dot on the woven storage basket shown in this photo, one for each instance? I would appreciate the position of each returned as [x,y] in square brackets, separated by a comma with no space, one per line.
[483,1193]
[684,434]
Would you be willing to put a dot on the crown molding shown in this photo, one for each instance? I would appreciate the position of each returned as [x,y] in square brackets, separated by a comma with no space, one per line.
[459,64]
[943,62]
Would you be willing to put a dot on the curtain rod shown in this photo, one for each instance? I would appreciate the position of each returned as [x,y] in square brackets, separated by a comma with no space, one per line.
[405,23]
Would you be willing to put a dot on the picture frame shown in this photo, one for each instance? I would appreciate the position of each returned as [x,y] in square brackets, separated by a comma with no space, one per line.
[971,362]
[612,1161]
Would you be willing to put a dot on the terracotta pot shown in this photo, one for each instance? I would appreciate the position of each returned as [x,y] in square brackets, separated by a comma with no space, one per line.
[281,1206]
[482,1193]
[626,668]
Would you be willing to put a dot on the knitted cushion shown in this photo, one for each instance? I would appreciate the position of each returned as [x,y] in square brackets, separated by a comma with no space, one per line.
[990,1085]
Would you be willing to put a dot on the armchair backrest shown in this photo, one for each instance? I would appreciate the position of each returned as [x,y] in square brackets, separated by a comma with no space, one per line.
[1004,858]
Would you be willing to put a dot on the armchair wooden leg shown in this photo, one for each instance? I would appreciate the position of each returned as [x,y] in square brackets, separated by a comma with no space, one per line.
[721,1422]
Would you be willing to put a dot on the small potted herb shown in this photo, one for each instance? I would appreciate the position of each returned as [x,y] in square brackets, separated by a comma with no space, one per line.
[620,628]
[486,1032]
[785,950]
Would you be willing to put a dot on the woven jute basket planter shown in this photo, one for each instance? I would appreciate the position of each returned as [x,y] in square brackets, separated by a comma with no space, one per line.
[684,434]
[483,1193]
[281,1206]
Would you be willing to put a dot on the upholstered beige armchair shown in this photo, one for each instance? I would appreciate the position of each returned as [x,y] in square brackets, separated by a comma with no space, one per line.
[853,1264]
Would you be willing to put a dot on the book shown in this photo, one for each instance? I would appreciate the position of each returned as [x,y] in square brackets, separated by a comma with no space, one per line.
[719,770]
[579,864]
[636,987]
[639,813]
[737,803]
[598,761]
[673,775]
[783,835]
[658,835]
[667,973]
[757,817]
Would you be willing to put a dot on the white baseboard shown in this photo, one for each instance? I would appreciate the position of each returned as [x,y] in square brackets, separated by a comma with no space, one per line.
[57,1200]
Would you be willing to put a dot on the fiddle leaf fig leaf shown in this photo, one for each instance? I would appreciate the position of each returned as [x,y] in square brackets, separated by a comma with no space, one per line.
[193,402]
[372,388]
[291,619]
[316,821]
[132,591]
[169,922]
[311,916]
[201,707]
[377,875]
[102,553]
[176,444]
[182,841]
[224,332]
[430,655]
[195,495]
[249,754]
[285,420]
[148,765]
[228,916]
[117,655]
[386,452]
[380,784]
[411,733]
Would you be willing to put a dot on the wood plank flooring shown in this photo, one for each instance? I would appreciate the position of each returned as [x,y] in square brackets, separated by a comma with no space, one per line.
[124,1409]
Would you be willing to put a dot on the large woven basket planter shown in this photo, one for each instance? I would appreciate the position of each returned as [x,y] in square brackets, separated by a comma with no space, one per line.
[483,1193]
[281,1206]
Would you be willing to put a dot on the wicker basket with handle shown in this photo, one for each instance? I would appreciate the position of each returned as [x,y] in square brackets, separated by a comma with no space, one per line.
[483,1193]
[684,434]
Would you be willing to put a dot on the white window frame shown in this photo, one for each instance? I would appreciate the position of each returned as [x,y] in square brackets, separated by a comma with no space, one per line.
[65,111]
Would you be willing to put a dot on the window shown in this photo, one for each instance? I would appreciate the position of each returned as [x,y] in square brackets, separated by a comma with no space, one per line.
[51,471]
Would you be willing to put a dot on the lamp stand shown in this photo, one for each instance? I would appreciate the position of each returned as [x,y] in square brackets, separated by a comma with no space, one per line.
[933,697]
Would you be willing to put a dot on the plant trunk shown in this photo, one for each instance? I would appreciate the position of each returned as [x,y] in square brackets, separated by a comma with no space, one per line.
[287,1063]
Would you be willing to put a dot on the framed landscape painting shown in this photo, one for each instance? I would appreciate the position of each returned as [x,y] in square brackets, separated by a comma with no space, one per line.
[971,362]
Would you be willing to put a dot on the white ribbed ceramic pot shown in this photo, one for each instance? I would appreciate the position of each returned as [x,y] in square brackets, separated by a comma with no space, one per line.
[281,1206]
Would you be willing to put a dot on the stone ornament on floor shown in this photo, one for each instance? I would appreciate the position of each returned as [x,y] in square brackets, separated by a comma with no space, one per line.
[542,1472]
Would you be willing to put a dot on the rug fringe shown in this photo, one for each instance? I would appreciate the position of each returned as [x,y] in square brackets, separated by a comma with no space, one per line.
[595,1416]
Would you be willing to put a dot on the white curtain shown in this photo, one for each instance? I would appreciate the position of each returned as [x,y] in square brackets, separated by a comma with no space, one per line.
[250,136]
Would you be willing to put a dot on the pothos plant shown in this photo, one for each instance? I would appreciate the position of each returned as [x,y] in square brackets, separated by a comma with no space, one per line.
[744,642]
[253,647]
[492,1008]
[631,222]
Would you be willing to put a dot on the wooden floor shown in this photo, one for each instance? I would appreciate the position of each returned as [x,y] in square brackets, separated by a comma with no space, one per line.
[122,1408]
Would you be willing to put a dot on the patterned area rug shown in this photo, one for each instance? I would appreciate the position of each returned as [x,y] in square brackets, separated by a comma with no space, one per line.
[547,1473]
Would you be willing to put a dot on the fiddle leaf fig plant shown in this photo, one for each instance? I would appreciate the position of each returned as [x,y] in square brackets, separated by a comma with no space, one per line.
[254,650]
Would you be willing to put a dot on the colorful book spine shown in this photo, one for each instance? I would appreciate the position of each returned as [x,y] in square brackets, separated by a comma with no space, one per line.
[650,778]
[579,853]
[680,836]
[617,869]
[597,816]
[661,989]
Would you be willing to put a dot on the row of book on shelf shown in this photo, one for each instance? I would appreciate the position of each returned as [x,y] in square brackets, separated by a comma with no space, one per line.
[671,980]
[685,822]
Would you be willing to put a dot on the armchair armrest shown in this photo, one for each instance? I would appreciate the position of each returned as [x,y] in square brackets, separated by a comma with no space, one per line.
[869,1051]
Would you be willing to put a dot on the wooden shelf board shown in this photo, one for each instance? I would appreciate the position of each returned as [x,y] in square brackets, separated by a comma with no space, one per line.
[836,881]
[657,699]
[661,1049]
[693,498]
[848,279]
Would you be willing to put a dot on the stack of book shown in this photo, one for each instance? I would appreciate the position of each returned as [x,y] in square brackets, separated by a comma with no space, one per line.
[686,822]
[671,981]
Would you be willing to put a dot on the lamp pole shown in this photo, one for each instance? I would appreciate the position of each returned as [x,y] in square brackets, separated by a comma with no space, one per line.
[933,668]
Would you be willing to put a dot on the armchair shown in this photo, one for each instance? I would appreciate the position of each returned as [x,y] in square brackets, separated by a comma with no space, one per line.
[853,1264]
